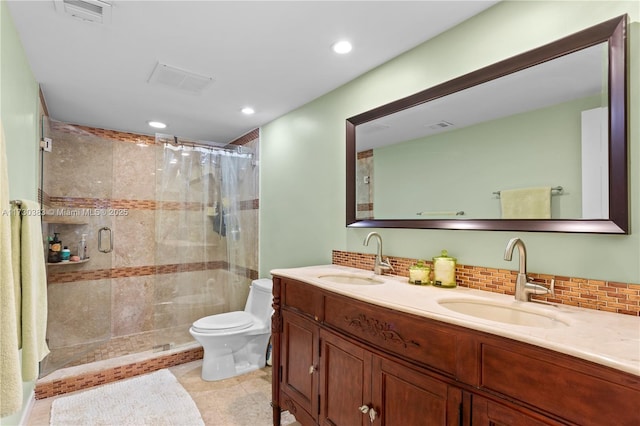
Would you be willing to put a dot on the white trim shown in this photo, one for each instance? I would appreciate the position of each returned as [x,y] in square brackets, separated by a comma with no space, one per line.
[28,407]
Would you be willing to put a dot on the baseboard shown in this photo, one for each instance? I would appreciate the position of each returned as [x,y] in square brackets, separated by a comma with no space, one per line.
[28,407]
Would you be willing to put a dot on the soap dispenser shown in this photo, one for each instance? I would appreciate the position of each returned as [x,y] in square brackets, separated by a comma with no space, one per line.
[444,270]
[55,249]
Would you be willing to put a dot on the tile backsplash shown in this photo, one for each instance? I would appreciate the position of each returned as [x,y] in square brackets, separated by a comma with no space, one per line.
[621,298]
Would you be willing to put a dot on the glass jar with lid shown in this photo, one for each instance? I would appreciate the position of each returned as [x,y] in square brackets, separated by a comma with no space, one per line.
[419,273]
[444,270]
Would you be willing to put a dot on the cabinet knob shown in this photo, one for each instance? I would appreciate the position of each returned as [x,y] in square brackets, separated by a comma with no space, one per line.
[372,415]
[365,409]
[312,369]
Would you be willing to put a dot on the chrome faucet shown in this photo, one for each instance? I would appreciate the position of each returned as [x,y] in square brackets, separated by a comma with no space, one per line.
[381,265]
[524,288]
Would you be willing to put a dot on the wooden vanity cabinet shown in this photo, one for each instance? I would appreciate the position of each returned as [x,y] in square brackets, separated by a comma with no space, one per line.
[336,360]
[404,396]
[345,381]
[298,362]
[357,386]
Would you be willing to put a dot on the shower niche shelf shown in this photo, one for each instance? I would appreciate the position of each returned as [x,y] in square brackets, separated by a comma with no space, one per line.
[70,230]
[67,263]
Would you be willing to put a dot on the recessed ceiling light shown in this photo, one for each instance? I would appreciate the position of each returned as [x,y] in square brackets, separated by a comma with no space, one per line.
[157,124]
[341,47]
[247,110]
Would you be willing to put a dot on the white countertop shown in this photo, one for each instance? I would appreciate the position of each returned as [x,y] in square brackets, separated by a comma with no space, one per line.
[601,337]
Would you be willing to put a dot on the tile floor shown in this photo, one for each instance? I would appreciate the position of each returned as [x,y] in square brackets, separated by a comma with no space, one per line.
[238,401]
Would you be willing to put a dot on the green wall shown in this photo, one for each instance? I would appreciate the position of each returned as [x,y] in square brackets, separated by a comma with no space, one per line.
[460,169]
[302,201]
[19,111]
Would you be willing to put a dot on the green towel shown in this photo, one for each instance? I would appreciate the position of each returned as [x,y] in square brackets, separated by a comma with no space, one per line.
[33,283]
[10,381]
[526,203]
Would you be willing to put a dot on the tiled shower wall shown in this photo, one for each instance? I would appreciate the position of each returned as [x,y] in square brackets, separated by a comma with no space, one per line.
[98,178]
[621,298]
[364,185]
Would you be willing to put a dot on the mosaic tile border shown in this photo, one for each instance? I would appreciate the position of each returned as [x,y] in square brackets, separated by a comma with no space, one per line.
[246,138]
[43,197]
[104,203]
[47,389]
[621,298]
[117,135]
[141,271]
[364,154]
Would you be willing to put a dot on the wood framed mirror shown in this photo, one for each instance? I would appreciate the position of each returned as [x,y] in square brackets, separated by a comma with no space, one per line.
[412,163]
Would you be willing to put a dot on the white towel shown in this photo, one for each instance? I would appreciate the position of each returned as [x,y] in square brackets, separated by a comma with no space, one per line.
[10,381]
[33,285]
[526,203]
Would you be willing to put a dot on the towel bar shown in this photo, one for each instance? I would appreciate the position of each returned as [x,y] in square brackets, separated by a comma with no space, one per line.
[441,213]
[556,190]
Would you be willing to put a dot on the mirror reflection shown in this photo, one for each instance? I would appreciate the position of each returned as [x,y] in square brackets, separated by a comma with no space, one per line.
[529,145]
[540,164]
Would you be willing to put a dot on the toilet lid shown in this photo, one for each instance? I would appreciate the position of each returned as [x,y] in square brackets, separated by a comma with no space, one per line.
[228,321]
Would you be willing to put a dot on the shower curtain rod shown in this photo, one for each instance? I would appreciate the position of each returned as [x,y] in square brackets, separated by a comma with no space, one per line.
[175,141]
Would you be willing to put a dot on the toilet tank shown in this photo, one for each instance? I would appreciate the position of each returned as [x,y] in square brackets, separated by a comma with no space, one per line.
[260,299]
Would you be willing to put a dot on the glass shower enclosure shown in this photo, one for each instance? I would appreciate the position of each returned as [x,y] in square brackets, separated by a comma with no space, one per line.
[171,230]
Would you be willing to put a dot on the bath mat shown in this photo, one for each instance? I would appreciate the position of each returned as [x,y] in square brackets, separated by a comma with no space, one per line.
[155,399]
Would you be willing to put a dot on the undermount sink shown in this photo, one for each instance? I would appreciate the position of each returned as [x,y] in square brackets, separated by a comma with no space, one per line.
[508,314]
[350,279]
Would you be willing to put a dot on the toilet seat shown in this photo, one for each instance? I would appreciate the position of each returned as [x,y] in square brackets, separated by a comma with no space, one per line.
[229,321]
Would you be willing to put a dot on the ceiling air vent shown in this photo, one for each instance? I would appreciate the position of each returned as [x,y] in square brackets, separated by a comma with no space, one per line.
[179,79]
[86,10]
[439,125]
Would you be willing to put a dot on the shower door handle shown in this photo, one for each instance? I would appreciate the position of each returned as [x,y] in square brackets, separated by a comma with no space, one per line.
[110,249]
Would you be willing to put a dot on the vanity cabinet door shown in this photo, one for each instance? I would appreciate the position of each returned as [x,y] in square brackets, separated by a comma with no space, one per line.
[345,382]
[407,397]
[299,367]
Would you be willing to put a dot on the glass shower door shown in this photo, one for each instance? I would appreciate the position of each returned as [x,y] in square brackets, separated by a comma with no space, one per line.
[76,194]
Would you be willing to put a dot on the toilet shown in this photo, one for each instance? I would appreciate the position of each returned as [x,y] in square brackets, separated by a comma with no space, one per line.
[235,343]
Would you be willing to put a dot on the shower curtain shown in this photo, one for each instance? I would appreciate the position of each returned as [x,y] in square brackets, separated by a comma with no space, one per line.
[202,249]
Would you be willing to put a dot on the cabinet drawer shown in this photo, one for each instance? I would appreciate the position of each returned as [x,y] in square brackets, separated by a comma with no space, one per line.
[301,297]
[571,389]
[409,336]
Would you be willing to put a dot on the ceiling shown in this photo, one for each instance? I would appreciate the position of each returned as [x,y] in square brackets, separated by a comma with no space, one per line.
[271,56]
